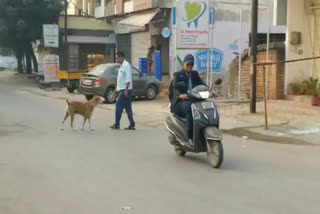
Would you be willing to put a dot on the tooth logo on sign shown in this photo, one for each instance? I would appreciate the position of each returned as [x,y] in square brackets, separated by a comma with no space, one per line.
[194,10]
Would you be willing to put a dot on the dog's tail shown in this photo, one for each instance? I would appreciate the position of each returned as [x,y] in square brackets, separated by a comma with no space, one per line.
[68,102]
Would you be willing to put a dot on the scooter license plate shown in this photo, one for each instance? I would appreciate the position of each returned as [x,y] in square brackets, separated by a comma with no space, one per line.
[207,105]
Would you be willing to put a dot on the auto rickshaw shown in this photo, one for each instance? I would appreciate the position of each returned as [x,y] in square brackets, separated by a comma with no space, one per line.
[71,78]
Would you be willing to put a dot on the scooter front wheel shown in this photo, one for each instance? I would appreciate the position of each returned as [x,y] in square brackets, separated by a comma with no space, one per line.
[214,153]
[179,151]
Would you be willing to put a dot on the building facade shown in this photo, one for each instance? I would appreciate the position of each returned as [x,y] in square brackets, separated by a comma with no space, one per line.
[87,36]
[82,7]
[138,25]
[303,40]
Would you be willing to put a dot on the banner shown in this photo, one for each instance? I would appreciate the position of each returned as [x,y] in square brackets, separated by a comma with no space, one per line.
[193,22]
[51,67]
[51,36]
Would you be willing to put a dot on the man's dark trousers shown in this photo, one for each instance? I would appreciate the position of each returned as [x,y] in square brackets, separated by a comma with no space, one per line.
[124,102]
[184,110]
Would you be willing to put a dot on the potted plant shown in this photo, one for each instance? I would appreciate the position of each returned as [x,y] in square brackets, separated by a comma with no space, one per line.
[314,89]
[305,87]
[293,88]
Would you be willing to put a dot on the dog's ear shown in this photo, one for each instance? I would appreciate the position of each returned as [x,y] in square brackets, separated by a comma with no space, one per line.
[97,98]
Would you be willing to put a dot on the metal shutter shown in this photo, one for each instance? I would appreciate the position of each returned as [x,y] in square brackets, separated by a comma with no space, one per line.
[140,45]
[124,45]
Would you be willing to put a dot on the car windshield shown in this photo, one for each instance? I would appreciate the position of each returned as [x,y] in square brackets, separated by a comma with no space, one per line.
[100,69]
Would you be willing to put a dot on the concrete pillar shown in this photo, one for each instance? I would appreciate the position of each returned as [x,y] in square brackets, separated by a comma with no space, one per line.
[280,12]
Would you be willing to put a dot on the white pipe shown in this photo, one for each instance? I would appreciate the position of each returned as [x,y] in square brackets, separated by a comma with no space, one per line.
[240,57]
[208,66]
[175,55]
[268,51]
[211,51]
[209,54]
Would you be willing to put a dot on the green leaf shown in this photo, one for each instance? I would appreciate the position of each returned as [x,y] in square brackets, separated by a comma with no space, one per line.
[193,10]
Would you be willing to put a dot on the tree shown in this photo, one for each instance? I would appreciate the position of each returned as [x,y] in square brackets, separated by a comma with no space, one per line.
[21,24]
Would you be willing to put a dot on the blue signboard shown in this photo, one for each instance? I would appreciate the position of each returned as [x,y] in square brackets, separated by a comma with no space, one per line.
[158,65]
[217,60]
[202,60]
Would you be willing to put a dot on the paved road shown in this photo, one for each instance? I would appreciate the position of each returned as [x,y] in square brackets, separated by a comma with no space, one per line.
[46,171]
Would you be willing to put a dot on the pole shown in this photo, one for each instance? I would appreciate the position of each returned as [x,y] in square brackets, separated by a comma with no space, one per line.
[240,57]
[265,97]
[65,53]
[254,32]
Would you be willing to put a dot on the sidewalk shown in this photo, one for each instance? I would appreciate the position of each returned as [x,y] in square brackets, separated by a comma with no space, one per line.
[291,122]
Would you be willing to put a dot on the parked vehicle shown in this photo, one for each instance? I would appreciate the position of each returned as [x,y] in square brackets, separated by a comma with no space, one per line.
[71,78]
[102,81]
[206,134]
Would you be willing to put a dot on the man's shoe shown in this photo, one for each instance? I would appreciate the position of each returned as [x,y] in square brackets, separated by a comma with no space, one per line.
[191,142]
[132,128]
[115,127]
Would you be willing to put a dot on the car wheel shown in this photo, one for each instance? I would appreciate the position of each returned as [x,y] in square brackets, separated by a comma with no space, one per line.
[152,92]
[89,97]
[71,89]
[110,96]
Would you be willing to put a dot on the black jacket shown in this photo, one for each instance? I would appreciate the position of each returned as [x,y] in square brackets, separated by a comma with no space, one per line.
[180,84]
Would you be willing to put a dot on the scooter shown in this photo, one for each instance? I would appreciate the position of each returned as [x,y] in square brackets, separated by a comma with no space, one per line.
[206,135]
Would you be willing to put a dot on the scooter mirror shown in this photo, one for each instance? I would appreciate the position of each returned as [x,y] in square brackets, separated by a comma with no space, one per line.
[218,82]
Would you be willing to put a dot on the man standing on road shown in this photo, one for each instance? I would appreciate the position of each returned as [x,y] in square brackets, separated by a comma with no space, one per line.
[124,89]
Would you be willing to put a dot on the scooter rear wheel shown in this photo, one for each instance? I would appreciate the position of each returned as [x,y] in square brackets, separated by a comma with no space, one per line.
[179,151]
[214,153]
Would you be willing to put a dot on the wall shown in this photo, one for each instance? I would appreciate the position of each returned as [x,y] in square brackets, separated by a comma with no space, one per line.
[142,4]
[139,46]
[299,20]
[85,23]
[227,37]
[119,6]
[163,3]
[128,6]
[275,80]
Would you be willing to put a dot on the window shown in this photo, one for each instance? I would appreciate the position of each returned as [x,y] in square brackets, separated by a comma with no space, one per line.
[135,71]
[115,71]
[98,3]
[274,37]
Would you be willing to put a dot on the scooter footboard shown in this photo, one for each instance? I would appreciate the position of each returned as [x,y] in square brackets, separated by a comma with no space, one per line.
[212,133]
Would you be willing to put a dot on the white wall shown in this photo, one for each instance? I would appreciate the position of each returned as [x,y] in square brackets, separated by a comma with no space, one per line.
[299,20]
[128,6]
[99,12]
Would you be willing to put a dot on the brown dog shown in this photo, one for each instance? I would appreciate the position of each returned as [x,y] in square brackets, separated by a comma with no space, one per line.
[84,109]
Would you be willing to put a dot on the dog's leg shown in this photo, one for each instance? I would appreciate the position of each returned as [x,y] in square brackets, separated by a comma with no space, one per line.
[84,122]
[72,118]
[89,119]
[64,120]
